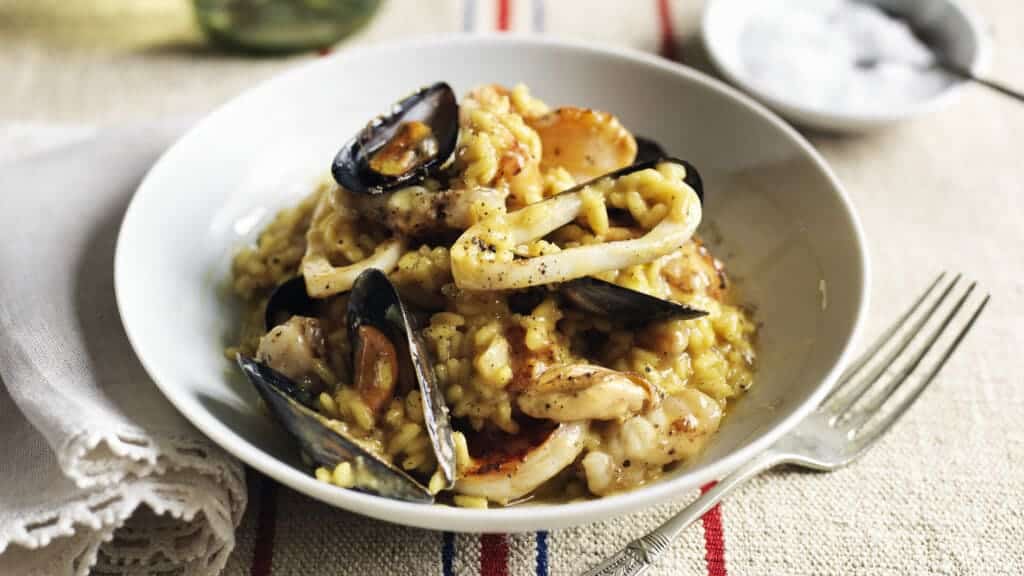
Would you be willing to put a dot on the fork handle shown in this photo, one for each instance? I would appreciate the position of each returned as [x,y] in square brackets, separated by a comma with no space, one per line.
[640,554]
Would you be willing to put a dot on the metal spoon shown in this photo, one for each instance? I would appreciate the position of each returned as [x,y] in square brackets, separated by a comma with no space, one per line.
[942,62]
[868,63]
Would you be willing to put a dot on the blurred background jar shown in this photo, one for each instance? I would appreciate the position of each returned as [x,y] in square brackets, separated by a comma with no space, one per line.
[281,25]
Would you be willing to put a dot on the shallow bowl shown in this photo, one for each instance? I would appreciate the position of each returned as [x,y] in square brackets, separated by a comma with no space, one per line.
[775,213]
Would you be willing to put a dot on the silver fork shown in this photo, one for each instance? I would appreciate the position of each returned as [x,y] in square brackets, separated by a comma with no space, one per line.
[846,423]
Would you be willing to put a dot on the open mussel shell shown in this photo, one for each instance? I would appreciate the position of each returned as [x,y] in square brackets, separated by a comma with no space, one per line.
[415,140]
[289,299]
[326,446]
[375,302]
[633,308]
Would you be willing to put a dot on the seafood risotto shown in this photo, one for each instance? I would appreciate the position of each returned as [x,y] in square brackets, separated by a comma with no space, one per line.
[493,300]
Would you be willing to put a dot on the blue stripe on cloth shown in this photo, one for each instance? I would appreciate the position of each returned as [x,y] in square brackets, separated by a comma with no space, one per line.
[538,16]
[542,553]
[448,554]
[468,15]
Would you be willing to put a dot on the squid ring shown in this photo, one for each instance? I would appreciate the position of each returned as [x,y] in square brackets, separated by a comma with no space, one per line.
[472,270]
[324,279]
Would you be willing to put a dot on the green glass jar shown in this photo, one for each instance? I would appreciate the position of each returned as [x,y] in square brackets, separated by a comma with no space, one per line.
[282,25]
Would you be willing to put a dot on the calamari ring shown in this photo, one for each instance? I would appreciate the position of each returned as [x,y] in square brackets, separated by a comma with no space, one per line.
[324,279]
[473,271]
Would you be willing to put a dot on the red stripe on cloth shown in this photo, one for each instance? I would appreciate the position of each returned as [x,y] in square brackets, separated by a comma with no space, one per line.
[493,555]
[667,41]
[504,14]
[714,539]
[263,555]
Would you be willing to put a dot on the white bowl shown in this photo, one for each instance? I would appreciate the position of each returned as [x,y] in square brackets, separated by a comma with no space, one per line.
[959,31]
[788,232]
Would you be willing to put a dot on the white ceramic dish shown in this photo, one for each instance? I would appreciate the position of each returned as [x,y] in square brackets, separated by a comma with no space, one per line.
[959,30]
[788,233]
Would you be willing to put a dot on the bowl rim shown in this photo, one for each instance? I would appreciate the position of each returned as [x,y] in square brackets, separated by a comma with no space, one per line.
[513,519]
[839,119]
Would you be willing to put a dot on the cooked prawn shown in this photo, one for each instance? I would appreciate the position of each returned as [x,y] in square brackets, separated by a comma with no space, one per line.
[510,475]
[633,451]
[584,392]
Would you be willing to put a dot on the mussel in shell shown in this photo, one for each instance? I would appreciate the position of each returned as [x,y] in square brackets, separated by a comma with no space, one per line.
[634,308]
[386,353]
[327,446]
[375,302]
[416,140]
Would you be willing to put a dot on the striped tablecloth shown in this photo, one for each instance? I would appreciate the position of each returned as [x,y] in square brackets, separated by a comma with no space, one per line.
[942,494]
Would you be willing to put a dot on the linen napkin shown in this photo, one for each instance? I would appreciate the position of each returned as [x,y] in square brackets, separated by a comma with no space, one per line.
[98,471]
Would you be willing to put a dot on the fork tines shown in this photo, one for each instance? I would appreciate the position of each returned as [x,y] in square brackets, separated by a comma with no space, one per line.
[905,359]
